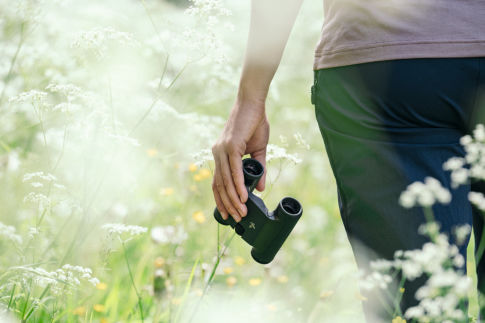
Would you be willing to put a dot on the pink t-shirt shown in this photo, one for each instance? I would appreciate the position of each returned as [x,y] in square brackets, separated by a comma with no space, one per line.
[359,31]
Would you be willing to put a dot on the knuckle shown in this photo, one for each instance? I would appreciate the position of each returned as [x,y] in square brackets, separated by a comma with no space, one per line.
[214,149]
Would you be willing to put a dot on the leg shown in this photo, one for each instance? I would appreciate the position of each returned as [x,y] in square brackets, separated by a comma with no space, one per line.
[477,115]
[386,125]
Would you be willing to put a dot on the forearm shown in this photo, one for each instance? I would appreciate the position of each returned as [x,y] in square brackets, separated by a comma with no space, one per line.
[270,27]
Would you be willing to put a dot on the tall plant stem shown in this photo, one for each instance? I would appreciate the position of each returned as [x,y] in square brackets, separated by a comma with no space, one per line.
[133,281]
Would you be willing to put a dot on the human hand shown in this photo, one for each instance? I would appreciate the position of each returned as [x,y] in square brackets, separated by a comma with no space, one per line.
[245,132]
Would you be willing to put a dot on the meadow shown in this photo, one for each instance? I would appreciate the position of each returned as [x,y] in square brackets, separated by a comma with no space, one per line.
[108,113]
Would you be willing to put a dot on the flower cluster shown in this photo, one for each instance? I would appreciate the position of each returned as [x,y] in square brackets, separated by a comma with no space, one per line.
[168,234]
[65,279]
[424,194]
[120,229]
[473,164]
[9,232]
[442,296]
[97,40]
[276,152]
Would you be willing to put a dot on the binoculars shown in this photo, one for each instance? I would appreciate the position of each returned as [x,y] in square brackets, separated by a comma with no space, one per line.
[265,231]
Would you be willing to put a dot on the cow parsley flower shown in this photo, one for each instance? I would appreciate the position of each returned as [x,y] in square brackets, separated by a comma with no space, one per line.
[121,230]
[477,199]
[424,194]
[277,152]
[9,232]
[63,280]
[168,234]
[473,164]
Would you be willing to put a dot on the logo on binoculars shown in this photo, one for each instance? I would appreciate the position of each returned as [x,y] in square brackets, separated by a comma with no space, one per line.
[252,225]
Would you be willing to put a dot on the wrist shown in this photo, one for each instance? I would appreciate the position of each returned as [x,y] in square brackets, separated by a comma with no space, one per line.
[251,97]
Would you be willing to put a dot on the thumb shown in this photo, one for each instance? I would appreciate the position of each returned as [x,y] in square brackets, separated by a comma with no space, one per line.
[261,157]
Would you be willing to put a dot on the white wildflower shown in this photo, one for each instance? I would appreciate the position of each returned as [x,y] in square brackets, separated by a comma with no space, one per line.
[120,229]
[459,177]
[276,152]
[462,232]
[36,97]
[37,198]
[9,232]
[465,140]
[203,156]
[414,312]
[284,141]
[430,229]
[168,234]
[98,40]
[300,141]
[424,194]
[479,132]
[39,175]
[454,163]
[381,265]
[33,232]
[477,199]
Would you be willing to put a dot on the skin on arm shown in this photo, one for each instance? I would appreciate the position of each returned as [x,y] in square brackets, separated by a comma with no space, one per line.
[247,129]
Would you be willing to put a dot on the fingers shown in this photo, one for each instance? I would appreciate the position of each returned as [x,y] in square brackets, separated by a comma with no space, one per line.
[238,177]
[221,185]
[261,157]
[219,204]
[230,186]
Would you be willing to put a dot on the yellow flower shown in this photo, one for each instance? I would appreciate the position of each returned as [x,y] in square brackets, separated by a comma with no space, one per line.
[152,152]
[103,320]
[228,270]
[81,310]
[231,281]
[99,307]
[326,294]
[239,261]
[166,191]
[271,307]
[159,262]
[176,301]
[192,168]
[101,286]
[398,319]
[199,217]
[282,279]
[255,281]
[401,290]
[361,297]
[205,173]
[202,174]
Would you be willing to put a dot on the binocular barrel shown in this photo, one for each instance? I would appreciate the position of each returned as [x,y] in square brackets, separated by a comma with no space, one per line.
[253,170]
[288,212]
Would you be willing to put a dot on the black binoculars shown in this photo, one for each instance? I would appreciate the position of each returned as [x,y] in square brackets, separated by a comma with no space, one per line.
[265,231]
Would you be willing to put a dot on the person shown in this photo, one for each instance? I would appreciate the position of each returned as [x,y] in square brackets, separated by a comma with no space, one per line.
[396,85]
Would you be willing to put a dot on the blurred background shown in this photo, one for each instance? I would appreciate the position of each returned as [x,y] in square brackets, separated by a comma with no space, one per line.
[108,113]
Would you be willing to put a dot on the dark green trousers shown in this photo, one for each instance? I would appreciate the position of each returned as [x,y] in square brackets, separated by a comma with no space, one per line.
[385,125]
